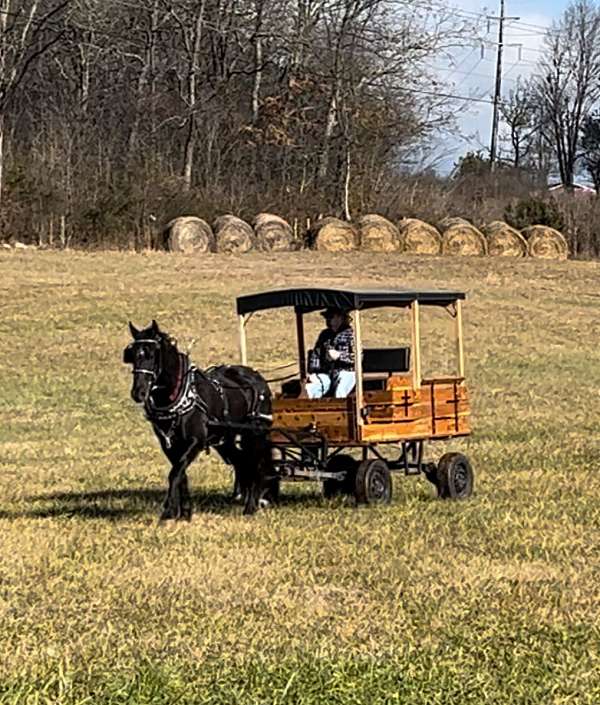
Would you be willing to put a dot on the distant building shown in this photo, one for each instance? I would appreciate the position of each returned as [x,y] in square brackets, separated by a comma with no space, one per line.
[579,190]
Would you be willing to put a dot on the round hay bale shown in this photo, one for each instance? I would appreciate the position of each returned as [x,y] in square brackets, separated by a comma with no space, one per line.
[419,237]
[449,222]
[504,241]
[545,243]
[273,233]
[334,235]
[377,234]
[233,234]
[189,234]
[463,239]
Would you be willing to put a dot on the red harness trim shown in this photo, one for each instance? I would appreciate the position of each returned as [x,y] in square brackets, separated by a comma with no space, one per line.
[175,393]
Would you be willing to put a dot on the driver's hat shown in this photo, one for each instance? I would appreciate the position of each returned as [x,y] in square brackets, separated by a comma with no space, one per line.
[331,311]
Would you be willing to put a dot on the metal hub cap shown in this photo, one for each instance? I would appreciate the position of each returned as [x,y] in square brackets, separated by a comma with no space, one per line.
[377,486]
[461,479]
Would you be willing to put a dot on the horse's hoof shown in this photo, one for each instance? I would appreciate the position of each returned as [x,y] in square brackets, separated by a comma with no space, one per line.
[165,515]
[249,511]
[237,497]
[263,503]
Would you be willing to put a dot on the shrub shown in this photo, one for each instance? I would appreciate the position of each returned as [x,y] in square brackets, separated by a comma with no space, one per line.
[534,211]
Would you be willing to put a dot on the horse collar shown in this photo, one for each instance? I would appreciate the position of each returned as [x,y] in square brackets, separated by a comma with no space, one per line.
[183,398]
[181,364]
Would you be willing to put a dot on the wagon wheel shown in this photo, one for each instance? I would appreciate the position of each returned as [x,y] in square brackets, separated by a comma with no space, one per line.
[340,463]
[455,477]
[373,483]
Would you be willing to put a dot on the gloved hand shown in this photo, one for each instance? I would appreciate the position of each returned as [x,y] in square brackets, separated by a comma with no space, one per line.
[333,354]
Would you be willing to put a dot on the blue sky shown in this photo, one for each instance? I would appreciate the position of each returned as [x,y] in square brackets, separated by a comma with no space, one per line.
[471,72]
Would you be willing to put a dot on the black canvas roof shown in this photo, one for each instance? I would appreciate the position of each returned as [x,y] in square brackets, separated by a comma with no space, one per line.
[313,299]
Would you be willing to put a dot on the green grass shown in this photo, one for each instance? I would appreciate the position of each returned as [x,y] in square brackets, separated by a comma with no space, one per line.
[494,600]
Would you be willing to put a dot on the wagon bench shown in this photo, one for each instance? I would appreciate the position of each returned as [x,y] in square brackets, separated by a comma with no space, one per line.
[391,405]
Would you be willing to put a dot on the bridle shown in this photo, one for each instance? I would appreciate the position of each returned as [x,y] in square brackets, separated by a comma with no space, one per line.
[155,373]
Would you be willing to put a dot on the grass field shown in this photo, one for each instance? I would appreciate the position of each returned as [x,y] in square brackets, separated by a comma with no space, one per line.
[494,600]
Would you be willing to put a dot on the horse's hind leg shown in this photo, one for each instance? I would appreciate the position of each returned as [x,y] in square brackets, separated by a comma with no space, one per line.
[233,456]
[245,477]
[259,467]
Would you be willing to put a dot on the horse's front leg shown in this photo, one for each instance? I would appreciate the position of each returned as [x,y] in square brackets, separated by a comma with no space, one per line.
[177,503]
[185,499]
[237,492]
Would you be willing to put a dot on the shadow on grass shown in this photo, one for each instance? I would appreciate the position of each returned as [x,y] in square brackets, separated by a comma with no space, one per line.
[115,504]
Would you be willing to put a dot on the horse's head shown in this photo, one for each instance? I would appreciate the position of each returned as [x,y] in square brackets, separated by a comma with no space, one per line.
[145,354]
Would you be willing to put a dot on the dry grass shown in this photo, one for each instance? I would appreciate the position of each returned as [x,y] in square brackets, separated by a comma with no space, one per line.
[490,601]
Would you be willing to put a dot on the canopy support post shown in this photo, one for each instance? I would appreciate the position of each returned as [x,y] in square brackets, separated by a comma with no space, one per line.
[243,349]
[416,344]
[358,370]
[301,345]
[459,339]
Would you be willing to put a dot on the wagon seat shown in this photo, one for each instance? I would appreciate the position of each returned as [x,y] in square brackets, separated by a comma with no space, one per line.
[382,369]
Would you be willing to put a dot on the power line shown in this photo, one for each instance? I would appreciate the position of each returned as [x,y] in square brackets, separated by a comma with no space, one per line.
[452,96]
[498,87]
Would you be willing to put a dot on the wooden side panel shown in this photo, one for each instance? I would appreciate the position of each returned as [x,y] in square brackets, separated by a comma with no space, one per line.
[401,430]
[421,429]
[334,418]
[438,409]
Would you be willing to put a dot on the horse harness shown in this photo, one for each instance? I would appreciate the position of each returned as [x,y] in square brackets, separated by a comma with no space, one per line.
[185,399]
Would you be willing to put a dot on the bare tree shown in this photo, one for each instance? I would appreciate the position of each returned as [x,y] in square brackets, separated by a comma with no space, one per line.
[28,29]
[522,120]
[568,85]
[308,105]
[590,144]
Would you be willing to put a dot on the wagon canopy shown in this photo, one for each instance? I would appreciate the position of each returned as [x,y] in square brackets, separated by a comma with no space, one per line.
[314,299]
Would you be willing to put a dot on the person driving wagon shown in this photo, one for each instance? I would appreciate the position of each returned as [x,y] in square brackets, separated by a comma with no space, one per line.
[331,362]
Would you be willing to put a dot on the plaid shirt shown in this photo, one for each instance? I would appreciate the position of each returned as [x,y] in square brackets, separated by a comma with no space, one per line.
[342,341]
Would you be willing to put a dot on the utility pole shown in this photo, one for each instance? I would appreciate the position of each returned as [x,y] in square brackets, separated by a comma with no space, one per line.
[498,90]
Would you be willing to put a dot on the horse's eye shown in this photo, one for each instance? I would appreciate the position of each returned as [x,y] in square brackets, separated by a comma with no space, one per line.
[142,353]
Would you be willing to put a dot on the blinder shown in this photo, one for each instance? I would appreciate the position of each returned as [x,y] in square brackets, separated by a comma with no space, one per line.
[128,354]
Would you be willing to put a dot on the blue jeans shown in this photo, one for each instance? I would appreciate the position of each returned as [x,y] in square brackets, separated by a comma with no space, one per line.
[318,385]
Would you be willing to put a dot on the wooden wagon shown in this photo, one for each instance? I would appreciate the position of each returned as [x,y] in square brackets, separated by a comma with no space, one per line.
[339,441]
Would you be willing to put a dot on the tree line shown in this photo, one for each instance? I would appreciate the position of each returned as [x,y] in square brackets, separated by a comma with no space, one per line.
[552,119]
[116,111]
[116,115]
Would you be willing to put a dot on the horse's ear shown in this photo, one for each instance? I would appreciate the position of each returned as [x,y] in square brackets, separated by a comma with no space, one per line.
[134,331]
[155,328]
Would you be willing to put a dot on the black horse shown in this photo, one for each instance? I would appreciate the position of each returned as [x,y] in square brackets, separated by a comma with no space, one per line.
[226,407]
